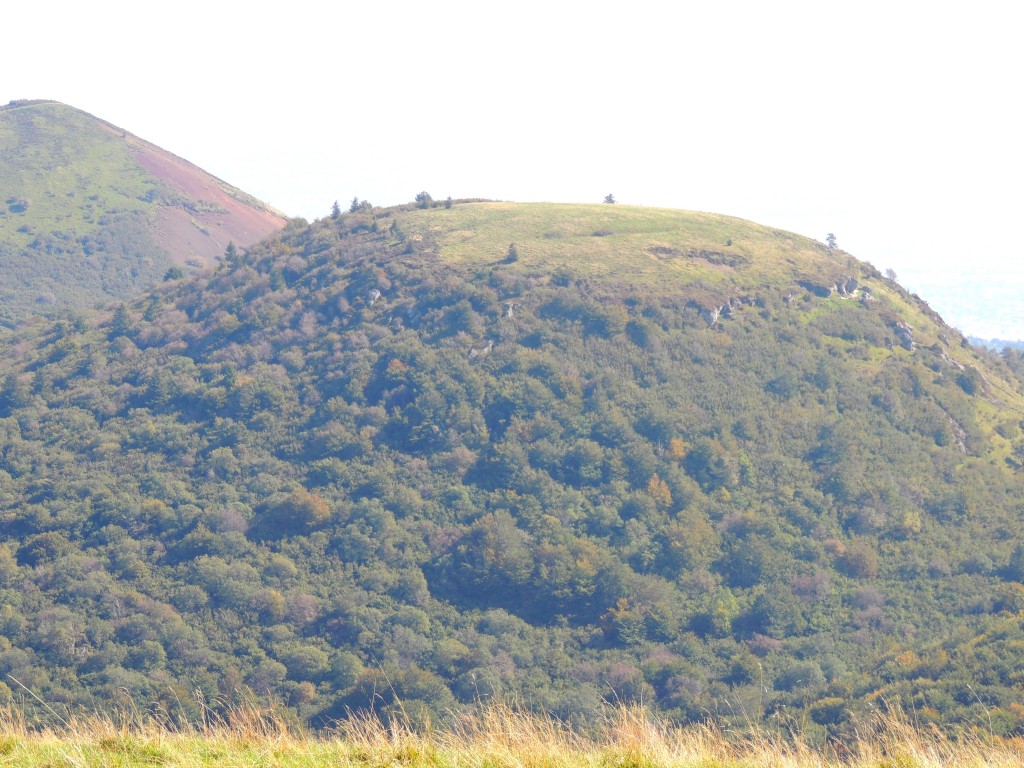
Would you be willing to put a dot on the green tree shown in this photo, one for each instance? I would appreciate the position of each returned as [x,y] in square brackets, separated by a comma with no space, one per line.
[298,512]
[1015,568]
[335,210]
[723,611]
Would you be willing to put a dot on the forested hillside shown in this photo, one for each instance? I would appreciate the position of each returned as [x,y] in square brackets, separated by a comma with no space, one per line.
[564,453]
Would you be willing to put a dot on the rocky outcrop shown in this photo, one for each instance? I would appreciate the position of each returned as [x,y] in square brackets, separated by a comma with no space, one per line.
[959,434]
[847,286]
[822,291]
[945,358]
[483,352]
[904,335]
[712,314]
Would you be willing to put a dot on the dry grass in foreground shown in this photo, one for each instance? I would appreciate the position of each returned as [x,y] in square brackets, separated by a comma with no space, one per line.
[496,737]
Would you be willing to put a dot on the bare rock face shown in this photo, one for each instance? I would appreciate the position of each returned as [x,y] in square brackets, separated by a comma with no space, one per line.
[905,335]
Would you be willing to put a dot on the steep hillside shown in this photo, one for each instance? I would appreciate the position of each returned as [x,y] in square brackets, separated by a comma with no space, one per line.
[90,212]
[419,457]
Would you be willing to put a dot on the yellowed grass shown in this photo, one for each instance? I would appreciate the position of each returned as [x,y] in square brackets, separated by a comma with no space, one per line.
[647,246]
[492,737]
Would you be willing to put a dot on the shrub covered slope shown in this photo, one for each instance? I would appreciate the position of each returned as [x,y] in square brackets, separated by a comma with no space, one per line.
[644,454]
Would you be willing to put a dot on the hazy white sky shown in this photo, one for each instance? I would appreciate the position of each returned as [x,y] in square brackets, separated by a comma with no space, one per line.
[896,125]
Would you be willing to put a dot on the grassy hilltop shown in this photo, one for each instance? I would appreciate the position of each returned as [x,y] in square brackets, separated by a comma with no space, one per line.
[91,213]
[649,247]
[386,463]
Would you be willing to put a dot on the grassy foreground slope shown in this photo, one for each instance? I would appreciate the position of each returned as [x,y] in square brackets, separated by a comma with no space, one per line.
[495,737]
[378,464]
[90,212]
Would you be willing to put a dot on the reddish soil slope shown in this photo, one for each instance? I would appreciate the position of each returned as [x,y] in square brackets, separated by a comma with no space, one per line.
[210,214]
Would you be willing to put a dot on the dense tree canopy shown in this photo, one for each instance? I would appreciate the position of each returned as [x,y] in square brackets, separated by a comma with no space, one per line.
[343,472]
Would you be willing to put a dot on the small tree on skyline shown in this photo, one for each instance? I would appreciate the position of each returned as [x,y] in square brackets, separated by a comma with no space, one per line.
[610,199]
[335,210]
